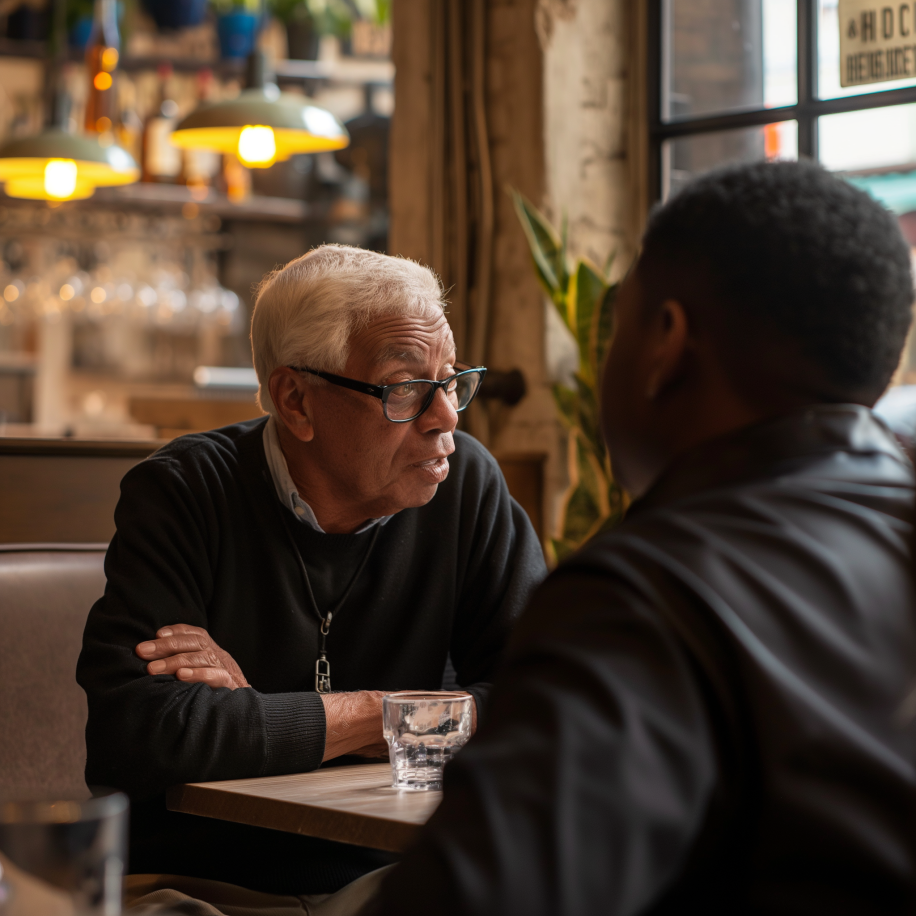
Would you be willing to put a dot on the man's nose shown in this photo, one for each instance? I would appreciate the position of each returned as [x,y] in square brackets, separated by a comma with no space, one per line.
[440,415]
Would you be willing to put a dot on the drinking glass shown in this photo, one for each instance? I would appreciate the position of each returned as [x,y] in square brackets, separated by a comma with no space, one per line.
[64,857]
[424,731]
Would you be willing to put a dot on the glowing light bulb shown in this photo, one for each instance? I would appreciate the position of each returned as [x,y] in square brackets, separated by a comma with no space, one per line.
[67,292]
[257,146]
[60,178]
[102,81]
[110,58]
[11,293]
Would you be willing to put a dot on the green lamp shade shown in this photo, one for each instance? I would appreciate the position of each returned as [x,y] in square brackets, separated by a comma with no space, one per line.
[284,124]
[57,165]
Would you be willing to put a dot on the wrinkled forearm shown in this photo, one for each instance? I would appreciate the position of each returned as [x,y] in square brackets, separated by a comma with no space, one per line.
[354,722]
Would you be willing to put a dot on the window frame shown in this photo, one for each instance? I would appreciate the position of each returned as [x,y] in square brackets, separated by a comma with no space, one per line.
[805,111]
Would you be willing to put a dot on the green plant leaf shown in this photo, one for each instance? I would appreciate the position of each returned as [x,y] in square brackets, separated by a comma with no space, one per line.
[587,416]
[603,326]
[567,402]
[586,291]
[608,264]
[547,248]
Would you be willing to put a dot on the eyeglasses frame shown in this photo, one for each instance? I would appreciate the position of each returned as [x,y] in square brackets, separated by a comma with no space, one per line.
[383,391]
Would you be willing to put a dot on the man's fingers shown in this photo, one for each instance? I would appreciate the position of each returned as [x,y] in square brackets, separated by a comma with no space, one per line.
[171,664]
[173,645]
[212,677]
[182,629]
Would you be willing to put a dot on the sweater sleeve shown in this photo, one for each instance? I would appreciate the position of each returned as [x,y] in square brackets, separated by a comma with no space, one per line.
[503,565]
[146,732]
[588,783]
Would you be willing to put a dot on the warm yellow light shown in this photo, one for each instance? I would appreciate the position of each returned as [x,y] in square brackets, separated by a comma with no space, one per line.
[60,178]
[11,293]
[102,81]
[97,295]
[257,146]
[67,292]
[110,58]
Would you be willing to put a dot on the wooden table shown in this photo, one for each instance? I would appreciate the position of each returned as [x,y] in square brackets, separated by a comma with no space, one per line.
[352,804]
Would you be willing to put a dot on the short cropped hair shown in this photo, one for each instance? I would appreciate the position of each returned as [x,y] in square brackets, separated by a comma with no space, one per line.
[777,254]
[306,312]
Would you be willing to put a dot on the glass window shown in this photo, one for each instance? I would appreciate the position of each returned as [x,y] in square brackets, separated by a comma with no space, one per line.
[722,66]
[828,53]
[689,156]
[878,138]
[727,55]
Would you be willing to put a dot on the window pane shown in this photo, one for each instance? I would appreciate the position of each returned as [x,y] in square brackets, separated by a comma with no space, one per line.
[828,41]
[880,138]
[727,55]
[686,157]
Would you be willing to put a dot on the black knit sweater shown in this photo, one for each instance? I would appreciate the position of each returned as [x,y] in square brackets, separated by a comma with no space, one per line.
[202,539]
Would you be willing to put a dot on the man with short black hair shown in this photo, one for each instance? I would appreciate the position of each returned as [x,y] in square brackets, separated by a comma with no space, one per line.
[711,709]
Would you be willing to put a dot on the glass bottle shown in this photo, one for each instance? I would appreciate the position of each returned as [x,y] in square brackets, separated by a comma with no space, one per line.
[161,160]
[102,53]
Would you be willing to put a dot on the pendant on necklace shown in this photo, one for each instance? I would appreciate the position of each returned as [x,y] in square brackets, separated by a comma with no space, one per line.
[322,675]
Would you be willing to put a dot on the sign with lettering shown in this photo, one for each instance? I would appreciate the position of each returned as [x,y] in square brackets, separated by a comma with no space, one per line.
[877,41]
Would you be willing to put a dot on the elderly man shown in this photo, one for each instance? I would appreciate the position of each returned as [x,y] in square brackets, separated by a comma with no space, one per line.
[270,580]
[712,709]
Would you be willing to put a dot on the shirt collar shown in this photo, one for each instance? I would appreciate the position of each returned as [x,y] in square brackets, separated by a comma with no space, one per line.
[286,489]
[768,448]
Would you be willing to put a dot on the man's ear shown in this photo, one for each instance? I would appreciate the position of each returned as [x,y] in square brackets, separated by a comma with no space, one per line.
[670,330]
[290,393]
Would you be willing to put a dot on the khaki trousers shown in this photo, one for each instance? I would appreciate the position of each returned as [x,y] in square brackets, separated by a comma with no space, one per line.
[149,895]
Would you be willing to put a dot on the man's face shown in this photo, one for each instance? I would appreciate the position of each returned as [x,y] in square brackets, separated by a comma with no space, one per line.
[625,408]
[375,463]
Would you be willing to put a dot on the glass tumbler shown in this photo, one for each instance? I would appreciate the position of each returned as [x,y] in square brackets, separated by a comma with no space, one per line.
[63,857]
[424,730]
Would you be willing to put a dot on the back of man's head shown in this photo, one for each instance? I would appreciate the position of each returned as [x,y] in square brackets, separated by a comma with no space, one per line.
[804,280]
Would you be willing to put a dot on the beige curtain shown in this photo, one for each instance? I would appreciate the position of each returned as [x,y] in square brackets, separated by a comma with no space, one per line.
[441,173]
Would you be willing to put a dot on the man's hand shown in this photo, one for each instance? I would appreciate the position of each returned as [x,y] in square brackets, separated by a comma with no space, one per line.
[193,657]
[354,724]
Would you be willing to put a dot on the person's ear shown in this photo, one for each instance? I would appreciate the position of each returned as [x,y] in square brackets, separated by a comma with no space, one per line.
[671,332]
[291,393]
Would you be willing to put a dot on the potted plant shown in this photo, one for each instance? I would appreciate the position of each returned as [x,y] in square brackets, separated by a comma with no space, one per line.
[583,296]
[237,26]
[302,34]
[79,22]
[176,14]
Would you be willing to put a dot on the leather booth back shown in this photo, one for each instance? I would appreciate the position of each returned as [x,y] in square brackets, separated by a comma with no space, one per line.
[46,591]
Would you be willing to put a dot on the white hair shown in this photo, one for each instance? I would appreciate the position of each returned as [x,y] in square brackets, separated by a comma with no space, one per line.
[306,312]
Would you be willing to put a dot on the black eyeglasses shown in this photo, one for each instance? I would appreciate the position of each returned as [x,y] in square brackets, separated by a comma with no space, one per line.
[405,401]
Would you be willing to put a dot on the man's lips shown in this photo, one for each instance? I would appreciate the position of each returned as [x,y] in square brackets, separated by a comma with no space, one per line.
[436,469]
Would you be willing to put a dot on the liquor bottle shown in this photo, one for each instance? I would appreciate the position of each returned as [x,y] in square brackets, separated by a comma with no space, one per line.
[102,52]
[200,167]
[161,160]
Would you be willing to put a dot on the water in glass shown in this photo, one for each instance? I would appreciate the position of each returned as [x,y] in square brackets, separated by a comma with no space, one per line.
[424,731]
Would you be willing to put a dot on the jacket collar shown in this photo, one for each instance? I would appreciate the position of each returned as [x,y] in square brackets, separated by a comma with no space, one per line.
[767,449]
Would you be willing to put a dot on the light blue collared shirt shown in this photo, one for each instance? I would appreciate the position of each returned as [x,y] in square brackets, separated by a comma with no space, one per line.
[286,489]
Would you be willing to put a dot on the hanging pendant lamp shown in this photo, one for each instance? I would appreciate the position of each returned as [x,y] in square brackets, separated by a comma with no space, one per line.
[262,125]
[58,165]
[55,164]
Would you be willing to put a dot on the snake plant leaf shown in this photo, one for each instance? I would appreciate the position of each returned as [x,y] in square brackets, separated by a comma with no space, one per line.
[584,299]
[548,250]
[586,292]
[567,405]
[608,264]
[603,326]
[588,417]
